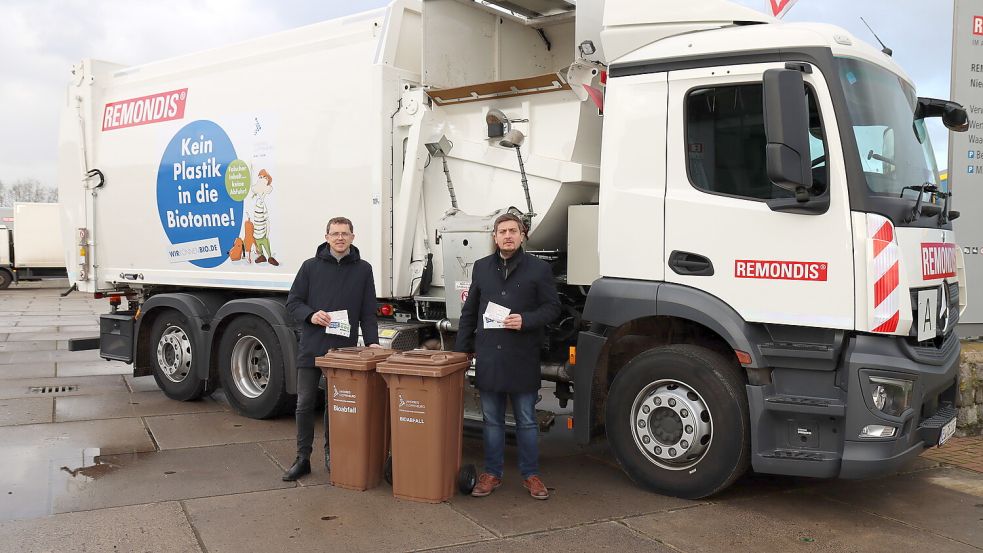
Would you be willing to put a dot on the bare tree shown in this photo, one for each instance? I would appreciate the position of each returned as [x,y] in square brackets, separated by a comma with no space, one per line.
[26,190]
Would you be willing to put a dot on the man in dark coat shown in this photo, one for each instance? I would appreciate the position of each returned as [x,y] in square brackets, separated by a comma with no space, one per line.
[336,279]
[507,348]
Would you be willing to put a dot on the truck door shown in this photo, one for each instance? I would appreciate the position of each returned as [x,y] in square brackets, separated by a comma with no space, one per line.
[721,235]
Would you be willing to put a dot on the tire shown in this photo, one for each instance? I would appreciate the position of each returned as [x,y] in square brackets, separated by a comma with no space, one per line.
[252,369]
[175,366]
[677,420]
[5,279]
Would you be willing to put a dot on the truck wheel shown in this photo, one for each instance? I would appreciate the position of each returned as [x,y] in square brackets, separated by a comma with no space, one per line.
[251,367]
[5,279]
[174,365]
[677,419]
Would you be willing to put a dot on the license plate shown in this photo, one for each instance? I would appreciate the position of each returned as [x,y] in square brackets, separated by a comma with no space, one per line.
[948,431]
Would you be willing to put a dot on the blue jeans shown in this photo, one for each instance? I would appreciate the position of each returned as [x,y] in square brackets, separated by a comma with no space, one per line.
[527,431]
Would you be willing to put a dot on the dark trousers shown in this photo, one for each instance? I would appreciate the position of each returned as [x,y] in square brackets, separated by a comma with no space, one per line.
[307,395]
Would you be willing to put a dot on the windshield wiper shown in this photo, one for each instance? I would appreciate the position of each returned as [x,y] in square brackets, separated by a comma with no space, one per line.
[916,212]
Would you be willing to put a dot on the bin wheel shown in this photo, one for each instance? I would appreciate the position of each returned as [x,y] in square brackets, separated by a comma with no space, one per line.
[387,470]
[467,477]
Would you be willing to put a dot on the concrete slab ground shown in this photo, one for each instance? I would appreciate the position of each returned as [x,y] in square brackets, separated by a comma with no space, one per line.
[158,527]
[613,537]
[117,466]
[91,368]
[140,478]
[37,345]
[141,383]
[85,385]
[788,521]
[325,518]
[127,405]
[25,411]
[204,429]
[27,370]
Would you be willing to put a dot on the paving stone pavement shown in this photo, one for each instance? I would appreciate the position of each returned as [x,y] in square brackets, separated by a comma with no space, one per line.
[114,465]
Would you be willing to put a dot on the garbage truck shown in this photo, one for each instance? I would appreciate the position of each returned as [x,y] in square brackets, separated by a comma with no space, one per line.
[752,246]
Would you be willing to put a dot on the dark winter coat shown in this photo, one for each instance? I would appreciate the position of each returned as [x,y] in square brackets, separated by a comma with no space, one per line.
[508,360]
[328,284]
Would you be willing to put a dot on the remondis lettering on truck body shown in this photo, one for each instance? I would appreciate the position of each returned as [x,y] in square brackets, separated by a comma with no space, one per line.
[165,106]
[743,217]
[938,261]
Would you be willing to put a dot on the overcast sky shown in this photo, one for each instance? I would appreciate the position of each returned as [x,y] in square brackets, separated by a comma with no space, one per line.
[41,39]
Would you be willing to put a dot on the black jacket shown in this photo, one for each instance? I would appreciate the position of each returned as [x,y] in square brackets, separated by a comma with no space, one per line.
[325,283]
[508,360]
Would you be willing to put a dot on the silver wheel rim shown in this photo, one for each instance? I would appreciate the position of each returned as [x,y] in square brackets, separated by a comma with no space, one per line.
[671,424]
[250,366]
[174,354]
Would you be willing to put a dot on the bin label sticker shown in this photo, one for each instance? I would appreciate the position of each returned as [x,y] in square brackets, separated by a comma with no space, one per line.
[342,396]
[413,407]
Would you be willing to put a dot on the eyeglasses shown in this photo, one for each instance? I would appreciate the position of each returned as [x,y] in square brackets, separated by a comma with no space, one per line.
[339,234]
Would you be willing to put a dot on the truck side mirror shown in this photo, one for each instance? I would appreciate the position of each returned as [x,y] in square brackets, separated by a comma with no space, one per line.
[953,114]
[954,117]
[786,117]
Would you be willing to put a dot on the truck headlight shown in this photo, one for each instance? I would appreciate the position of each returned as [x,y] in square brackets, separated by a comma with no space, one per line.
[891,396]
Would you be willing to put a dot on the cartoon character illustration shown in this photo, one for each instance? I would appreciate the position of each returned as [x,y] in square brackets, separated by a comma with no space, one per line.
[261,190]
[248,241]
[245,246]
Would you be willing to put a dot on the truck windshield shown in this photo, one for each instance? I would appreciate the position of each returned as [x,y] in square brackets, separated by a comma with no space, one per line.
[895,151]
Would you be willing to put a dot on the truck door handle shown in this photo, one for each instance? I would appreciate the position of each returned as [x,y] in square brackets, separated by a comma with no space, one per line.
[690,264]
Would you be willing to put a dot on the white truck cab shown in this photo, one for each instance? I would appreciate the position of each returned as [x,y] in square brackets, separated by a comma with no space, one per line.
[753,247]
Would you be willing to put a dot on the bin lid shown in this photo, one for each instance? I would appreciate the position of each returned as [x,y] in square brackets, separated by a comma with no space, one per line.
[357,358]
[422,362]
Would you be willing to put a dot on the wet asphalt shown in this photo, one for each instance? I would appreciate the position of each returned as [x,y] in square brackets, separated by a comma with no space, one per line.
[95,460]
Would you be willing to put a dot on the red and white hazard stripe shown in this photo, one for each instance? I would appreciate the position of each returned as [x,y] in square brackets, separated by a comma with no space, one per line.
[883,263]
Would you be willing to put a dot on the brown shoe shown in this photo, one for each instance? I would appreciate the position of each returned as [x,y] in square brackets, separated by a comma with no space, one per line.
[273,262]
[536,488]
[261,259]
[486,485]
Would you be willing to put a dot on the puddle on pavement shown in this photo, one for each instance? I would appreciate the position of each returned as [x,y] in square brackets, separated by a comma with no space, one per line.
[36,480]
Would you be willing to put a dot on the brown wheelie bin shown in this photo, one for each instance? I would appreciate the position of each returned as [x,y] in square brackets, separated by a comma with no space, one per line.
[426,403]
[358,415]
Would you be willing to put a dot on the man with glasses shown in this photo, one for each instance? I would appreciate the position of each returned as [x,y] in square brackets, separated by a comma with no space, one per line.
[336,281]
[511,300]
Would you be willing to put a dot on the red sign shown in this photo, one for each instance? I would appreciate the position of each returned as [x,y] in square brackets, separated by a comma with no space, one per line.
[978,24]
[938,260]
[163,106]
[780,270]
[780,7]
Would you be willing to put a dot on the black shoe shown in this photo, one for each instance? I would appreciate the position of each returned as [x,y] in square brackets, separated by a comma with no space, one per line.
[327,460]
[300,467]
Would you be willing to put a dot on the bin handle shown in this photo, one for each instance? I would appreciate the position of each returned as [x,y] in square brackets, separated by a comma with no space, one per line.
[425,354]
[361,352]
